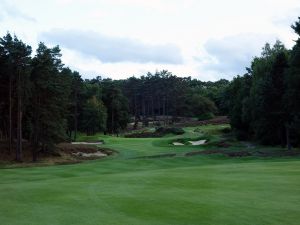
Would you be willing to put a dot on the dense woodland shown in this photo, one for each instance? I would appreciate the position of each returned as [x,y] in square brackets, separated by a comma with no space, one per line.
[264,104]
[44,103]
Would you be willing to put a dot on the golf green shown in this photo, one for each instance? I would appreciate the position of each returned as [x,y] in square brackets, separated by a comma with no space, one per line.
[125,189]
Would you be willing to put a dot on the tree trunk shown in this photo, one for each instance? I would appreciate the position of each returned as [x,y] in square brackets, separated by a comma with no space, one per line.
[164,110]
[112,121]
[76,120]
[288,141]
[35,146]
[36,134]
[152,108]
[19,121]
[135,114]
[10,114]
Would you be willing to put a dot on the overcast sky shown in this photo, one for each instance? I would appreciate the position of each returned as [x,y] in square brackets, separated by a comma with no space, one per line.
[205,39]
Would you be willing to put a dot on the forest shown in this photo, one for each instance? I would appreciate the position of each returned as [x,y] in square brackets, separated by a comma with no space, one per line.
[44,102]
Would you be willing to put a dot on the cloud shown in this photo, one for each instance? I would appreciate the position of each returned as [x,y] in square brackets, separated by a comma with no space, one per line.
[287,18]
[11,11]
[113,49]
[232,54]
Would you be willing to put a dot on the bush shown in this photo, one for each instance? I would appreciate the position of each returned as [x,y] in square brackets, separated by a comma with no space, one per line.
[143,135]
[159,132]
[226,130]
[206,116]
[170,130]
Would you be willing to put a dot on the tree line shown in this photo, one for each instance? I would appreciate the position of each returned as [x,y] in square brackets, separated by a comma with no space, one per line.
[43,102]
[264,104]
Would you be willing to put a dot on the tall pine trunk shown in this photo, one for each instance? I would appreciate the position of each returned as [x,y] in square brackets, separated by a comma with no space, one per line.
[152,109]
[135,114]
[76,120]
[10,114]
[288,141]
[35,142]
[19,121]
[164,110]
[112,121]
[36,131]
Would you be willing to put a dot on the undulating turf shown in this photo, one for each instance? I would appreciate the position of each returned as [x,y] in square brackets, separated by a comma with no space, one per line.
[126,190]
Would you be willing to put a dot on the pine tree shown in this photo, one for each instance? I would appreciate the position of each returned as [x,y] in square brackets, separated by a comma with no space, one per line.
[17,56]
[49,99]
[292,96]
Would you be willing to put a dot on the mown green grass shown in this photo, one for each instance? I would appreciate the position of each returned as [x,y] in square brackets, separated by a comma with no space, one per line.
[212,190]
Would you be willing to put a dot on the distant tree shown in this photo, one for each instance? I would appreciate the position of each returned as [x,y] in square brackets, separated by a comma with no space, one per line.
[94,116]
[117,107]
[201,106]
[238,103]
[76,100]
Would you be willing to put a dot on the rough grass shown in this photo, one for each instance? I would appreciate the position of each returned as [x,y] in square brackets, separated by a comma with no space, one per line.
[204,189]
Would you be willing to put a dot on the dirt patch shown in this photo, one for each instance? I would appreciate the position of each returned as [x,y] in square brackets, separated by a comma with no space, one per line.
[216,121]
[84,151]
[283,153]
[204,152]
[159,132]
[156,156]
[246,153]
[64,153]
[71,148]
[144,135]
[97,154]
[223,144]
[238,154]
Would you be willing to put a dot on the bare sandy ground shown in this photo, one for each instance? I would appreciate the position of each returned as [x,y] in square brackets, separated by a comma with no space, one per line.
[87,143]
[177,143]
[200,142]
[88,155]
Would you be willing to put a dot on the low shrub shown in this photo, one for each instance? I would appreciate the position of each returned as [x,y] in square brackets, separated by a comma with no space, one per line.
[206,116]
[159,132]
[143,135]
[226,130]
[170,130]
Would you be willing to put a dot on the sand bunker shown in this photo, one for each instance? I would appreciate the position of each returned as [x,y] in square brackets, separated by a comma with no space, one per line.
[177,143]
[200,142]
[88,143]
[88,155]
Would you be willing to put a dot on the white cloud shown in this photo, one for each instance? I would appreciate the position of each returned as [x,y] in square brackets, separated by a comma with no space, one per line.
[10,10]
[113,49]
[232,54]
[212,31]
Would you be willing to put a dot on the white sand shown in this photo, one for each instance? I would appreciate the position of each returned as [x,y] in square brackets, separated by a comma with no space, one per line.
[87,143]
[177,143]
[200,142]
[95,154]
